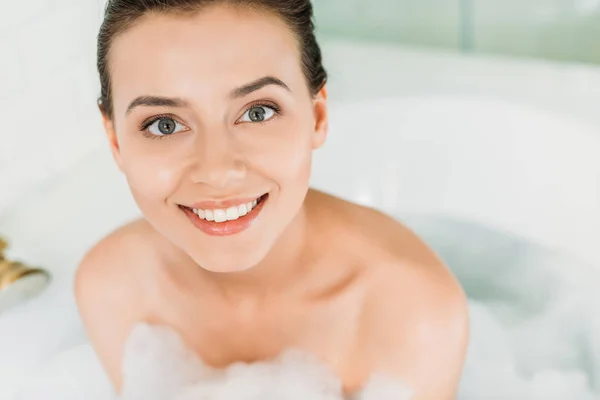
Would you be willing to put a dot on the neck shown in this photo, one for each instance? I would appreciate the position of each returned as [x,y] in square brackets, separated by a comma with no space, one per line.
[276,273]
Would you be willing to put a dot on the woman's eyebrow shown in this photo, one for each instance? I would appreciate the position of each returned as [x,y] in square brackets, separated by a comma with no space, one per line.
[257,85]
[176,102]
[156,101]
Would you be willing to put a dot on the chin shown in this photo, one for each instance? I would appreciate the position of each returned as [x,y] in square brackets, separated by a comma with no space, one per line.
[225,268]
[230,263]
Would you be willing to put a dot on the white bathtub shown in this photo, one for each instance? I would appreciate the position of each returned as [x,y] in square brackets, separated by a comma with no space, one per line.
[494,162]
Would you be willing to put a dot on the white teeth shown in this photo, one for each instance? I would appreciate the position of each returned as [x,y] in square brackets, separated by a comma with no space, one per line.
[232,213]
[220,215]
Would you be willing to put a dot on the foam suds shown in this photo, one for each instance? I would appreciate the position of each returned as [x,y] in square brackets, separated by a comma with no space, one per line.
[158,366]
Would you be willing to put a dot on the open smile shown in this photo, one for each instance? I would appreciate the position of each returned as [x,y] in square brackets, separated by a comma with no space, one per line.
[226,221]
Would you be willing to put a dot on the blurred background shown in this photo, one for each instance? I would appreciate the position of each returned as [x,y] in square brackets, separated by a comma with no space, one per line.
[475,121]
[552,29]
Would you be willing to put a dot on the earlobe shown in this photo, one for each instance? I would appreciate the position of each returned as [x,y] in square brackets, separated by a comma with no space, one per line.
[321,119]
[111,134]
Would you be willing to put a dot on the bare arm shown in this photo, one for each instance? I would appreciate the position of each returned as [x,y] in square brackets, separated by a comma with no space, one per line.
[418,323]
[424,346]
[107,305]
[438,350]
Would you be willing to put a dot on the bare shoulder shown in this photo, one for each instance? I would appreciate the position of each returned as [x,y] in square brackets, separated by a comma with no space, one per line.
[112,261]
[416,316]
[108,295]
[415,323]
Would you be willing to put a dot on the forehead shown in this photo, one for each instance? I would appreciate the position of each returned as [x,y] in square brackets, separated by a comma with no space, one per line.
[206,54]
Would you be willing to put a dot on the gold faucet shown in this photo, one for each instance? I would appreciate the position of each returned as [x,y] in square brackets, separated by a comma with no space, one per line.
[13,271]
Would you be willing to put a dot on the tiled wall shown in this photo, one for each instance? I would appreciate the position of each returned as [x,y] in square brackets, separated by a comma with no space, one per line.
[48,87]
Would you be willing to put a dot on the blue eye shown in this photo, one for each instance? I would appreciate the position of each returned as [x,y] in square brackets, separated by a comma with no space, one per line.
[259,113]
[164,126]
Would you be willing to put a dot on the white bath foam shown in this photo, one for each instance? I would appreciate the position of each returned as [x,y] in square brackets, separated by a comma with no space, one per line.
[158,366]
[498,360]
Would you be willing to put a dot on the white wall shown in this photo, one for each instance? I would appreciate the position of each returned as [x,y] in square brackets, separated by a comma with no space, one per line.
[48,89]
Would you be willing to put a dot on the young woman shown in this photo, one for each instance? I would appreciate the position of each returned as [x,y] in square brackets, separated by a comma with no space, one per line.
[212,109]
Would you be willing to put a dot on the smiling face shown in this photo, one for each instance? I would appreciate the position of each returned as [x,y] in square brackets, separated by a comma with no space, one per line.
[213,120]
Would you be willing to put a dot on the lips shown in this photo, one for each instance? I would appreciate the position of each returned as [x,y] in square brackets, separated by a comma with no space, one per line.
[226,221]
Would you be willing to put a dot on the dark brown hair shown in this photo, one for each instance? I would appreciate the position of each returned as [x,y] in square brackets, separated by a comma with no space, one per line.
[120,15]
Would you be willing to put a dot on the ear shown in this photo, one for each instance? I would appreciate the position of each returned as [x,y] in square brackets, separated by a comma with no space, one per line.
[321,118]
[111,134]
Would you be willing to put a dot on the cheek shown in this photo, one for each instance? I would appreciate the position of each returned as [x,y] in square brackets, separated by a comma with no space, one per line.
[287,159]
[151,176]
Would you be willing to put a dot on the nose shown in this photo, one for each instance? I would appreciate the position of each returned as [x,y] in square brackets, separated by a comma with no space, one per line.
[216,160]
